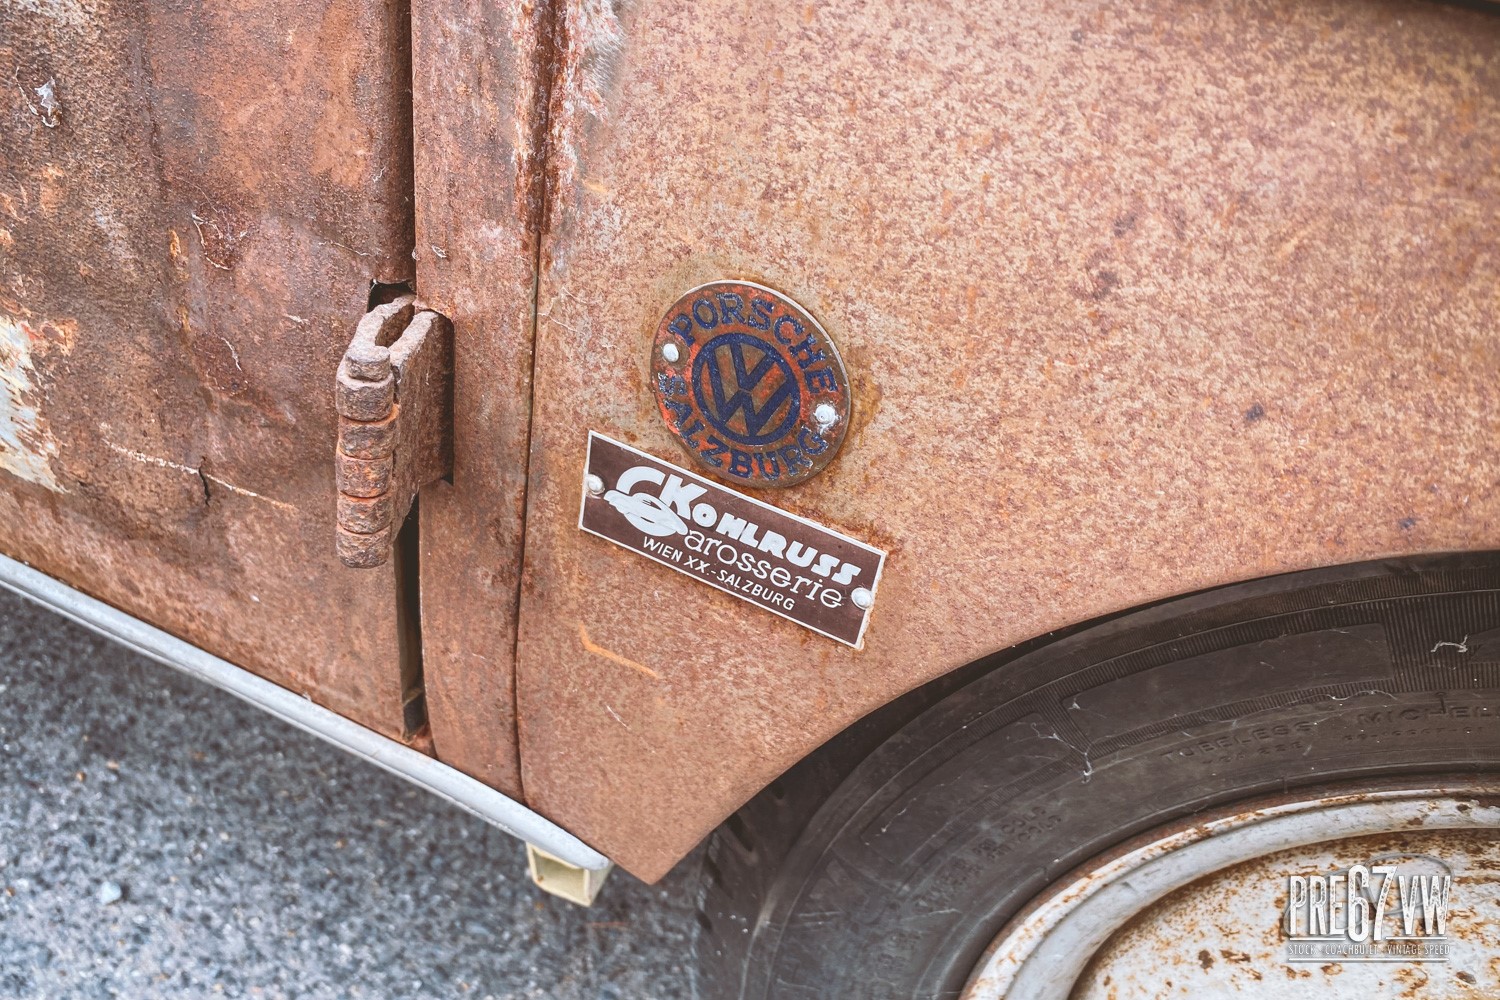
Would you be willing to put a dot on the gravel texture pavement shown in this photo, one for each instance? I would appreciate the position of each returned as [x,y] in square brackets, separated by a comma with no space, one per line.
[159,838]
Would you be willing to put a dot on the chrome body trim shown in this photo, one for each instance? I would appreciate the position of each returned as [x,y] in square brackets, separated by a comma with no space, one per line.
[445,782]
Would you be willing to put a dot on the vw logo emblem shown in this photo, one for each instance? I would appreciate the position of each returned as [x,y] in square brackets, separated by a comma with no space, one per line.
[745,389]
[750,384]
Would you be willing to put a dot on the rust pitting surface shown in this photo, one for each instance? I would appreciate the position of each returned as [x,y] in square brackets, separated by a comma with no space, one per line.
[483,159]
[1154,296]
[205,194]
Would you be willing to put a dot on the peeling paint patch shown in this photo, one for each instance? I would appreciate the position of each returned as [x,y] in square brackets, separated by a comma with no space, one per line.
[46,106]
[531,31]
[591,39]
[576,46]
[26,446]
[69,13]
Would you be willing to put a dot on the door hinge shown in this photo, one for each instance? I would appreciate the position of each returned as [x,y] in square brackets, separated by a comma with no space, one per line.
[395,403]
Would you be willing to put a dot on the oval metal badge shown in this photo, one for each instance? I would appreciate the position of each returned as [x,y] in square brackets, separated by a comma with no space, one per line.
[750,383]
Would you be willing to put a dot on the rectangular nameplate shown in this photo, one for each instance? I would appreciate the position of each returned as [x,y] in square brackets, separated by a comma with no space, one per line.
[817,577]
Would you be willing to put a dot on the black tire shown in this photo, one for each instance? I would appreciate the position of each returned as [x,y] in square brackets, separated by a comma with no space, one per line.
[883,865]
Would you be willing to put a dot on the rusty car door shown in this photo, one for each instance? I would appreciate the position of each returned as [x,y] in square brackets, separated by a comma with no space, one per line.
[194,203]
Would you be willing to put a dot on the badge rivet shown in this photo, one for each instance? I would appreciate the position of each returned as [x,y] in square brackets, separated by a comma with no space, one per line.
[594,485]
[750,383]
[862,597]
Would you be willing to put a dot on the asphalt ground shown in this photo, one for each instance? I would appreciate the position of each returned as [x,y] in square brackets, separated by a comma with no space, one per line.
[159,838]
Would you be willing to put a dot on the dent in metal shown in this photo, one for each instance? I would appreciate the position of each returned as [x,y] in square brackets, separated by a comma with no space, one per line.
[589,38]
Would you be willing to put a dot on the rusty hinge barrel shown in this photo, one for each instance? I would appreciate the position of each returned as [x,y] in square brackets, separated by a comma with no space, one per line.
[395,403]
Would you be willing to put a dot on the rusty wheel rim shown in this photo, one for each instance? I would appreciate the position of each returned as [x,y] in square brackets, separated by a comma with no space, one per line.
[1046,950]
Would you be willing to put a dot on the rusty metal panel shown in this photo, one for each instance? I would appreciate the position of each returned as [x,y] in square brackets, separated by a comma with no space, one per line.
[480,98]
[1136,298]
[194,200]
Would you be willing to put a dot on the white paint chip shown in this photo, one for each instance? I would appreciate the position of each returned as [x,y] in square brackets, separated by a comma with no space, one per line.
[26,446]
